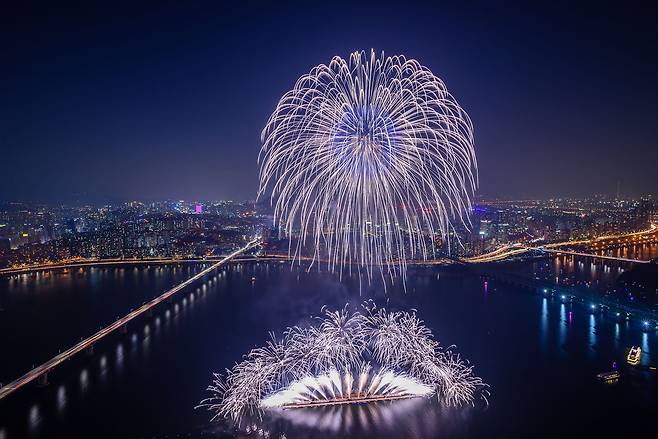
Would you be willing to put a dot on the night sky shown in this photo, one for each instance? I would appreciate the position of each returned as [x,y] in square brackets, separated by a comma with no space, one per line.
[167,101]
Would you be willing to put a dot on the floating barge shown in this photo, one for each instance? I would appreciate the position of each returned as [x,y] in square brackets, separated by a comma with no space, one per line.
[634,355]
[608,377]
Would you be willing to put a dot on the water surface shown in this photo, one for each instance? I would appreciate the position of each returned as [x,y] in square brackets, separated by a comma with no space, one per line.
[539,355]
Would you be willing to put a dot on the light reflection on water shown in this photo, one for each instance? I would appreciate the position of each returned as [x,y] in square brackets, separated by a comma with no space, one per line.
[646,352]
[84,381]
[119,356]
[569,324]
[416,418]
[61,399]
[146,342]
[592,334]
[34,418]
[102,372]
[563,327]
[567,270]
[544,324]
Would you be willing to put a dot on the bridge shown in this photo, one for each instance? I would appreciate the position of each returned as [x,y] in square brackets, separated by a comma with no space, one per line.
[512,250]
[589,255]
[93,262]
[504,252]
[42,370]
[113,262]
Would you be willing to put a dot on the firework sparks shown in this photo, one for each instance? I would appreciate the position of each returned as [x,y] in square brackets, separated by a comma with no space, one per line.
[336,388]
[370,159]
[348,357]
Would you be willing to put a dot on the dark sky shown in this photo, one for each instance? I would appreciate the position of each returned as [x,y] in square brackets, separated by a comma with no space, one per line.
[167,101]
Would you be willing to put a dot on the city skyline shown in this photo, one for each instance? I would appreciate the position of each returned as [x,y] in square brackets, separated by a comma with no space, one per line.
[168,102]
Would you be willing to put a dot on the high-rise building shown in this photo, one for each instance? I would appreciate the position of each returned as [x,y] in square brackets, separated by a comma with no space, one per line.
[5,246]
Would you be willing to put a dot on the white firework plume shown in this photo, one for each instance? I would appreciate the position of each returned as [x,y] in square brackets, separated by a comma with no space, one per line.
[339,388]
[347,357]
[370,159]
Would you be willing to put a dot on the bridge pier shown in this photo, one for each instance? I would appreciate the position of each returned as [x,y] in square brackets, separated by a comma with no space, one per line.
[89,350]
[124,328]
[42,381]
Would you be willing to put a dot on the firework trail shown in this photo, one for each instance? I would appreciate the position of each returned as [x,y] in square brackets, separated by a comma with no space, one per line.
[368,160]
[348,357]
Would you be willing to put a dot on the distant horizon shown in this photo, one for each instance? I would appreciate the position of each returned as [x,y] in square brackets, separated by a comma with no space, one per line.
[476,199]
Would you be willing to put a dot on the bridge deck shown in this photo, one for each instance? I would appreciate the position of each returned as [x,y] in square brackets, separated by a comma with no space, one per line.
[88,342]
[589,255]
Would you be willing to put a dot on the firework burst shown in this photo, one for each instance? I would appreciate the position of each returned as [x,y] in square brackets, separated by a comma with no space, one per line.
[368,160]
[347,357]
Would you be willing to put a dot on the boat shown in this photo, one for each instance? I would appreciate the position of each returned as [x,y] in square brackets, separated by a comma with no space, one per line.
[634,355]
[608,377]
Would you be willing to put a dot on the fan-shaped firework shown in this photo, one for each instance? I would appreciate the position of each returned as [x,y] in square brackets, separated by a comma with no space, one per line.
[347,357]
[371,159]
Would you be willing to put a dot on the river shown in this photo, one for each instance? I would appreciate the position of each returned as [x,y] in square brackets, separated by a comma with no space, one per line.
[538,354]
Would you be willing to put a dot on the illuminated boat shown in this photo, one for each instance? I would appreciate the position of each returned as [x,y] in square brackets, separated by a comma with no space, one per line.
[608,377]
[634,355]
